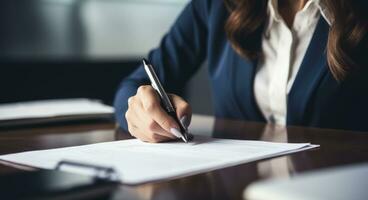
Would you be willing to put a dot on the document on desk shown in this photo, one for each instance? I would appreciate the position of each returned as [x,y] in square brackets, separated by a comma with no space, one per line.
[139,162]
[52,110]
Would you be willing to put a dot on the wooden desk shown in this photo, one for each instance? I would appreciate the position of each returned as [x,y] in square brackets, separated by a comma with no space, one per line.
[337,148]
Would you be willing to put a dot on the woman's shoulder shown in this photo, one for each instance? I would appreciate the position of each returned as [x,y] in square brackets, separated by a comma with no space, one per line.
[209,7]
[209,11]
[207,4]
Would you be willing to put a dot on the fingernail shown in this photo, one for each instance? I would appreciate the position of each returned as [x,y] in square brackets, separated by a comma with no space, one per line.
[185,121]
[175,132]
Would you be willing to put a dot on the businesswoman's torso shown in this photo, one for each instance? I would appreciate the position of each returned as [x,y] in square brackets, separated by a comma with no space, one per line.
[294,89]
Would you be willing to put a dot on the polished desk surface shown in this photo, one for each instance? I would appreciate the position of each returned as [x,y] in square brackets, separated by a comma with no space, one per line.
[337,148]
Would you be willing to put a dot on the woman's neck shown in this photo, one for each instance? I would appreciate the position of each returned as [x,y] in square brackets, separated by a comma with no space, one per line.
[289,8]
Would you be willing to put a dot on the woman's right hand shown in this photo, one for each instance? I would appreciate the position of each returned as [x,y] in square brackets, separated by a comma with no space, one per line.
[149,122]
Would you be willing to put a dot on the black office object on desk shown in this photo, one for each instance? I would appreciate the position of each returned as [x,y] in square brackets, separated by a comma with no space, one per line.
[56,184]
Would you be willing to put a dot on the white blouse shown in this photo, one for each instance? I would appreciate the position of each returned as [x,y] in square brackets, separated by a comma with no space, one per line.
[283,52]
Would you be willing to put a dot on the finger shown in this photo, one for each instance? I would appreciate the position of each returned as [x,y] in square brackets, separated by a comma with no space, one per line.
[135,112]
[141,135]
[183,109]
[134,131]
[145,125]
[153,138]
[151,105]
[148,124]
[132,120]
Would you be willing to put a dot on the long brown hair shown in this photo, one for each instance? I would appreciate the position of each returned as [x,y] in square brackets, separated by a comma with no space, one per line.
[347,39]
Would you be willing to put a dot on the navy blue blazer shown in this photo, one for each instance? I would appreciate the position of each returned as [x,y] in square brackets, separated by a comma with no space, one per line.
[316,98]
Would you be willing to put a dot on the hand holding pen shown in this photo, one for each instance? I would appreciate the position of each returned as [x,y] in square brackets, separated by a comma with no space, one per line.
[152,117]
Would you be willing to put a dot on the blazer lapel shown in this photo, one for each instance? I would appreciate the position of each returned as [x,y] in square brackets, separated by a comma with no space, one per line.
[243,83]
[312,69]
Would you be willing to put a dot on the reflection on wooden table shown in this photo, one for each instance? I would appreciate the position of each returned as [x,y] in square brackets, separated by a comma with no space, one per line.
[337,148]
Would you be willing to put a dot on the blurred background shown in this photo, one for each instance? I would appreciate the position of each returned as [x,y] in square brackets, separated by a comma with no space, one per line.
[53,49]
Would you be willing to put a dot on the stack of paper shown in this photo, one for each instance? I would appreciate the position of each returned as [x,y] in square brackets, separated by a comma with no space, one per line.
[139,162]
[52,110]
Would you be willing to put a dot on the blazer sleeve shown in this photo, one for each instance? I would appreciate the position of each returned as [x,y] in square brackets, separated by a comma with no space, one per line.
[179,55]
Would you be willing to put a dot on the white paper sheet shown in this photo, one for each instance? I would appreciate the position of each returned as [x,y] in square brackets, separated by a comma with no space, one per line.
[139,162]
[51,110]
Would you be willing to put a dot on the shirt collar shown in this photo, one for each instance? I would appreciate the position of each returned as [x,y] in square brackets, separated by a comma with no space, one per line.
[274,14]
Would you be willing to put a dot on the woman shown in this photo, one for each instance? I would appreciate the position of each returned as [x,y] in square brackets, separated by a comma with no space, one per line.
[290,62]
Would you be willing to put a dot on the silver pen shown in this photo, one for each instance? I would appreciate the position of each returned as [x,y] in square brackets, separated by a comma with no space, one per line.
[166,103]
